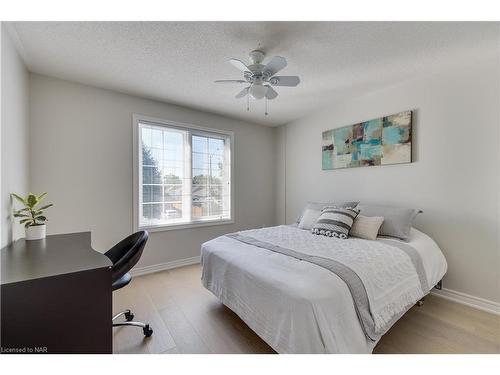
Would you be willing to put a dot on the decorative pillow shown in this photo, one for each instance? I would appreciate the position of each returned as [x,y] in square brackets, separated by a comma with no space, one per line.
[397,221]
[335,222]
[309,218]
[366,227]
[318,206]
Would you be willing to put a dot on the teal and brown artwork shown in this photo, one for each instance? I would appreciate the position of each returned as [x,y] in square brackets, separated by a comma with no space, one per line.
[382,141]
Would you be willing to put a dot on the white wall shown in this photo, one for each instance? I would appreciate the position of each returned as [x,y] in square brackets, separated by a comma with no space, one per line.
[81,154]
[454,179]
[14,135]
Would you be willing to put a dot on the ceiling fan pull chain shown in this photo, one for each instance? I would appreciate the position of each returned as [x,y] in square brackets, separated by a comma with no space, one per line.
[266,108]
[248,102]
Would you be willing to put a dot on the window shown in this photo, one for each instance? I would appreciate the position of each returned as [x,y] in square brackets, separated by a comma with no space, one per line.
[182,176]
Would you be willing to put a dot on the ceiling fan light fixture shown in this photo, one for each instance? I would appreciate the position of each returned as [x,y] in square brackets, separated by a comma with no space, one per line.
[261,78]
[257,91]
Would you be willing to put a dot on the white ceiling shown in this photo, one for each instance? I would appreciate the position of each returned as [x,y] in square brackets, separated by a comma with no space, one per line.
[177,62]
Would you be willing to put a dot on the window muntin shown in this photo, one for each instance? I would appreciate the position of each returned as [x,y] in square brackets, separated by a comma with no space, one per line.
[184,176]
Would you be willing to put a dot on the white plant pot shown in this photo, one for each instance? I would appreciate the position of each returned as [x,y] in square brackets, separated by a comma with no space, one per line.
[35,232]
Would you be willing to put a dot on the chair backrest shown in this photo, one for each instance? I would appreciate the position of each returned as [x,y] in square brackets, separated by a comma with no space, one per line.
[126,253]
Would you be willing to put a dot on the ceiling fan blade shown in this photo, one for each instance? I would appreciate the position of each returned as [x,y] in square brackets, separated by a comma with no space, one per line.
[275,65]
[242,93]
[230,81]
[238,64]
[271,93]
[290,81]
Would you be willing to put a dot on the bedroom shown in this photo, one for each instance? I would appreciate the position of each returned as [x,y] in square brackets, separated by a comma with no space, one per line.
[340,195]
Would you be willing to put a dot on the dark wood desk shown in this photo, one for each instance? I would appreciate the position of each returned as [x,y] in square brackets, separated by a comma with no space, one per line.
[55,296]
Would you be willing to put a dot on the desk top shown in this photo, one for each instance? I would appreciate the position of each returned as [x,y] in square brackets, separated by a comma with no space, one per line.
[55,255]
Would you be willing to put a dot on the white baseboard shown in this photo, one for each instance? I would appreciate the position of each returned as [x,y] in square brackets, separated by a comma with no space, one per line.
[466,299]
[164,266]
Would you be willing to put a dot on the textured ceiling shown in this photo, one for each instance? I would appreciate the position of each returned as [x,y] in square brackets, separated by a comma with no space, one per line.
[177,62]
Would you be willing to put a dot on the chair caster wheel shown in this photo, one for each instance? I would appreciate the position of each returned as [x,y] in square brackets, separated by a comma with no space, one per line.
[147,331]
[129,316]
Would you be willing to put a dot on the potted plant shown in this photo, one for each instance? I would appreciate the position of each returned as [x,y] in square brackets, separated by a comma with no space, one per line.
[32,216]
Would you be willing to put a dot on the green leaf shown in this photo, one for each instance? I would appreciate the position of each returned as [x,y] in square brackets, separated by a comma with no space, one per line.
[45,207]
[28,224]
[32,200]
[20,199]
[25,221]
[41,217]
[41,196]
[20,215]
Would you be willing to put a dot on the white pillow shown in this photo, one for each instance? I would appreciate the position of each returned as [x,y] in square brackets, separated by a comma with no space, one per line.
[309,218]
[366,227]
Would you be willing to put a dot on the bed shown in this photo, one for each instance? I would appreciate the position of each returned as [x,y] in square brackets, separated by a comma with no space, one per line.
[304,293]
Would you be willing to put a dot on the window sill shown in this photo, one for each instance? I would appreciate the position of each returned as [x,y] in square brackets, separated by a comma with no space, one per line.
[161,228]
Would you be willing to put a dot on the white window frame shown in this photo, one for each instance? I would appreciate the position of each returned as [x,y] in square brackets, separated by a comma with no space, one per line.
[138,118]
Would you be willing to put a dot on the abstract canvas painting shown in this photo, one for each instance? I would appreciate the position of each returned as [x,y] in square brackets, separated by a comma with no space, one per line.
[382,141]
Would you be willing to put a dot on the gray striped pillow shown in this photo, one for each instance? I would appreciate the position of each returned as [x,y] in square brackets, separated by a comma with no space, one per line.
[335,222]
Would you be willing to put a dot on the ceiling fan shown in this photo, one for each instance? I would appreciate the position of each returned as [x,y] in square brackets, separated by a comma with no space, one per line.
[260,78]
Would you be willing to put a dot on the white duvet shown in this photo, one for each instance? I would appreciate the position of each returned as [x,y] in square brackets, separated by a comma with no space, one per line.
[296,306]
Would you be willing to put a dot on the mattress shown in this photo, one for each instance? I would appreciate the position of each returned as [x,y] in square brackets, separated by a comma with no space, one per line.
[296,306]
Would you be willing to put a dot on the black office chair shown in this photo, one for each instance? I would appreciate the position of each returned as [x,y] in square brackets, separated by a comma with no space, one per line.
[125,255]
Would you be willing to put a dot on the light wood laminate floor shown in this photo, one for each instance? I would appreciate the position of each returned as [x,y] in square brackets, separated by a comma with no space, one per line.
[186,318]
